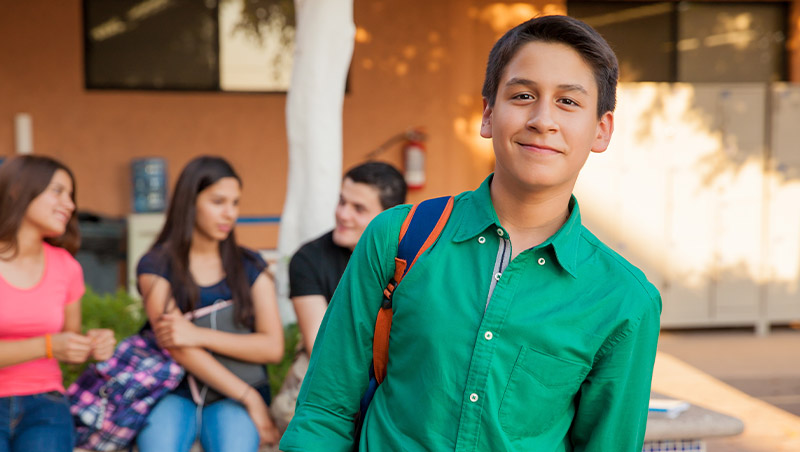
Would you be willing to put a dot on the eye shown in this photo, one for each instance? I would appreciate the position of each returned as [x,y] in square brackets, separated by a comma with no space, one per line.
[523,96]
[569,102]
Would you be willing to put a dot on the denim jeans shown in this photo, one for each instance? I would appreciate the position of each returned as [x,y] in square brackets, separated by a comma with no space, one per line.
[36,423]
[174,422]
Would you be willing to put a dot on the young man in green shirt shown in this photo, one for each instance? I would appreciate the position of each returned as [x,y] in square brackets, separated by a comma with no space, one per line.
[518,330]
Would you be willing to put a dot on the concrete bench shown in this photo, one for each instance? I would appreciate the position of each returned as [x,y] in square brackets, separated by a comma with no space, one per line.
[688,430]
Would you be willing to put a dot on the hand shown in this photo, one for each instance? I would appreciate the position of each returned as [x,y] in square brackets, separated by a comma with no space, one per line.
[102,343]
[71,347]
[173,330]
[257,409]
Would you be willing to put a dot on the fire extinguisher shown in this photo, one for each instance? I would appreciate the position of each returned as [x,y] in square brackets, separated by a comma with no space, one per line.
[414,158]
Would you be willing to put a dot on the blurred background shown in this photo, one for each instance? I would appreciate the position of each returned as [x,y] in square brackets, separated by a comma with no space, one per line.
[700,187]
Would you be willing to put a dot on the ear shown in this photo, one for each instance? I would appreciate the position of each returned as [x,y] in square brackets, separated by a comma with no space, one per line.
[605,127]
[486,120]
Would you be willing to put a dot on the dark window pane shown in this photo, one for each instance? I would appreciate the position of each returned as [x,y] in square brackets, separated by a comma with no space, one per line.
[731,42]
[151,44]
[640,34]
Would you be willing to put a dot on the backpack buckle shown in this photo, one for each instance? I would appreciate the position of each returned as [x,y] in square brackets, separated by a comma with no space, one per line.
[388,292]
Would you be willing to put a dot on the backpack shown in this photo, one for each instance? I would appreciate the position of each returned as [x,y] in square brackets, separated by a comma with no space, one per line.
[110,400]
[421,228]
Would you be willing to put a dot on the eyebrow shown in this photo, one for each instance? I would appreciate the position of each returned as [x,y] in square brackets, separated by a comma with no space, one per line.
[532,84]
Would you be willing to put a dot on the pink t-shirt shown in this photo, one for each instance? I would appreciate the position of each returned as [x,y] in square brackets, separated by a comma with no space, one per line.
[26,313]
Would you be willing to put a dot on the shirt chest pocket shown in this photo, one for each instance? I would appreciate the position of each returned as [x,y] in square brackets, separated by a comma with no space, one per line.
[539,391]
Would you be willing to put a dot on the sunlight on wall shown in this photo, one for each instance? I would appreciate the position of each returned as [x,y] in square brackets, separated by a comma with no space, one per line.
[783,266]
[402,60]
[362,35]
[468,132]
[683,194]
[503,16]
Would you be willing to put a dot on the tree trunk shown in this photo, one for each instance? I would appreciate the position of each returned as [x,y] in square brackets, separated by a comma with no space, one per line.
[323,50]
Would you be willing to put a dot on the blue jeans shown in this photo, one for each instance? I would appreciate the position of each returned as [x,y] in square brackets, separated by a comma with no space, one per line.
[173,425]
[36,423]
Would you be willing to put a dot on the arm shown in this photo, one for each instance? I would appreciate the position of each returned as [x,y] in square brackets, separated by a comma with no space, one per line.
[338,371]
[197,361]
[265,345]
[69,346]
[310,310]
[101,341]
[201,363]
[612,406]
[306,289]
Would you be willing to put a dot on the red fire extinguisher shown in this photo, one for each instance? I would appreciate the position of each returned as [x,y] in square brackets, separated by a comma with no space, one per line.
[414,158]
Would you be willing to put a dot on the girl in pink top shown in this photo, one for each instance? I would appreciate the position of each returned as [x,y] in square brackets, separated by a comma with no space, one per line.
[40,314]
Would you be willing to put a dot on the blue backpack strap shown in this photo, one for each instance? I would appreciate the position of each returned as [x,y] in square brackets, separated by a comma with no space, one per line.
[421,228]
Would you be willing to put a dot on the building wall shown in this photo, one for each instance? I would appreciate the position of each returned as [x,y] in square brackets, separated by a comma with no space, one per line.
[794,41]
[423,68]
[416,64]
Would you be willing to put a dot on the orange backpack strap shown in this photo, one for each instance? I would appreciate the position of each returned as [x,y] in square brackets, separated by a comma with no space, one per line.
[423,225]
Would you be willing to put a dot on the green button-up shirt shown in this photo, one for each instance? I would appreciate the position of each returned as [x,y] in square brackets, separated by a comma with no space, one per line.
[552,351]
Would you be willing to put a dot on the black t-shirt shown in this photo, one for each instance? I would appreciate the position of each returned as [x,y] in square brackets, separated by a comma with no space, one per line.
[317,267]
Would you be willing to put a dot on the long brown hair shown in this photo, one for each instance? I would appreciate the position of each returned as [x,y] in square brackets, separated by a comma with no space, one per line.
[22,179]
[175,239]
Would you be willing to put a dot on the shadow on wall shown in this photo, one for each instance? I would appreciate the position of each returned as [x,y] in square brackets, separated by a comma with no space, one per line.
[699,188]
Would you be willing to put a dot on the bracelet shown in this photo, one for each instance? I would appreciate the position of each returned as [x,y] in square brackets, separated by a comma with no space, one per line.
[244,394]
[48,346]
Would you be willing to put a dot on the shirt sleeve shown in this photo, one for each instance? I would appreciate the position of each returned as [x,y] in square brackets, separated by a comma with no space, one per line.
[254,265]
[154,262]
[613,400]
[76,287]
[338,372]
[304,277]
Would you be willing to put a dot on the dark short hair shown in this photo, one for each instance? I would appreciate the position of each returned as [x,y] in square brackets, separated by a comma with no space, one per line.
[584,39]
[385,178]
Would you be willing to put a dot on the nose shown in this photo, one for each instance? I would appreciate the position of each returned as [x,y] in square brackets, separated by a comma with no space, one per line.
[68,203]
[342,212]
[231,212]
[541,118]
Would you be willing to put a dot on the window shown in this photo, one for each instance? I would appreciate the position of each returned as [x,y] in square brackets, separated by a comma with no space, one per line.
[215,45]
[692,41]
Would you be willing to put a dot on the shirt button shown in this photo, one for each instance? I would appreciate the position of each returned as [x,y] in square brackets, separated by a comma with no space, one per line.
[473,397]
[541,261]
[499,232]
[488,335]
[481,240]
[497,276]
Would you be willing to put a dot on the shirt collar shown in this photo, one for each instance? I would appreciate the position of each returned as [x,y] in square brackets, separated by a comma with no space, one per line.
[566,240]
[479,214]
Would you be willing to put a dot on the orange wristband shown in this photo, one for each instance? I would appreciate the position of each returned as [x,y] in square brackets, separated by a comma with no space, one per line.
[48,346]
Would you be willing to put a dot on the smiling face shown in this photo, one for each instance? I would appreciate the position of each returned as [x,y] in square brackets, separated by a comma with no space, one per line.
[358,204]
[544,123]
[217,208]
[51,210]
